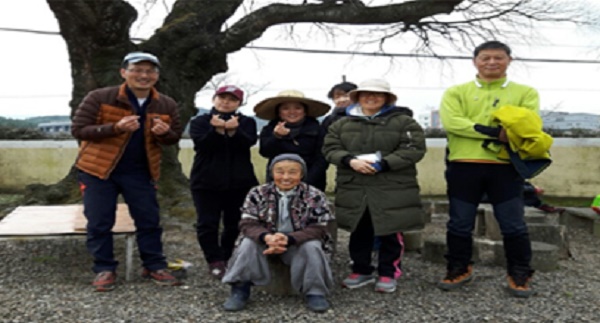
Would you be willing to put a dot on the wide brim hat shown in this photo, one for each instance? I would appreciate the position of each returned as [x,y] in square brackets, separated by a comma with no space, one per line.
[373,85]
[267,108]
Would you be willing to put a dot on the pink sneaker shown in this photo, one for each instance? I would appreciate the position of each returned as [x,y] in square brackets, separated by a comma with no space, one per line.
[386,285]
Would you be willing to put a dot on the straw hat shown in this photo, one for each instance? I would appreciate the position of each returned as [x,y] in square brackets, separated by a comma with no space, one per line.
[373,85]
[266,109]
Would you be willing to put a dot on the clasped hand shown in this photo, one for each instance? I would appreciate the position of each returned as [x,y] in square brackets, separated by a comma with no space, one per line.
[363,166]
[221,125]
[276,243]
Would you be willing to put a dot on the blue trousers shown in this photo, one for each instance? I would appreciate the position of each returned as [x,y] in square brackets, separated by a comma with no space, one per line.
[100,205]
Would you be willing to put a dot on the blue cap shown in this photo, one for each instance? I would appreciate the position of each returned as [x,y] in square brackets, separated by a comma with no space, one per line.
[136,57]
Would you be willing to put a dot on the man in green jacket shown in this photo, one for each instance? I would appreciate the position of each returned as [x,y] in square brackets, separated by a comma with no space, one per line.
[473,168]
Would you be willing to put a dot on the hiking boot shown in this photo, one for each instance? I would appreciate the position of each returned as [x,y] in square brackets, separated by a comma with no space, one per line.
[105,281]
[217,269]
[161,277]
[240,293]
[355,280]
[386,285]
[455,278]
[317,303]
[519,285]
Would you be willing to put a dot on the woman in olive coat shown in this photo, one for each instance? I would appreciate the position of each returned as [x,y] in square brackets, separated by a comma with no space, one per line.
[376,148]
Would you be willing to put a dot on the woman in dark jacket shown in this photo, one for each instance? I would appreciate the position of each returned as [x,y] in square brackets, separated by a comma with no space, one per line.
[294,129]
[376,147]
[222,174]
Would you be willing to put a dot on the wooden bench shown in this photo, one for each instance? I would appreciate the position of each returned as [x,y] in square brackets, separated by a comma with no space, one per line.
[61,221]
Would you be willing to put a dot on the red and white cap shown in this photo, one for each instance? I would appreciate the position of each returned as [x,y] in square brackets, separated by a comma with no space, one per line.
[231,89]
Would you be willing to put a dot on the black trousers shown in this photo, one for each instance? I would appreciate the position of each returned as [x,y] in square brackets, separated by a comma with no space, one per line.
[211,207]
[391,250]
[467,183]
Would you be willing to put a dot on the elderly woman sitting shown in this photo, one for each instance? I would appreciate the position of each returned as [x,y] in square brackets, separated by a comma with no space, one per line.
[284,218]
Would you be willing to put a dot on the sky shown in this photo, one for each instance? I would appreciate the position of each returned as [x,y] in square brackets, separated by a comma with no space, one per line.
[35,73]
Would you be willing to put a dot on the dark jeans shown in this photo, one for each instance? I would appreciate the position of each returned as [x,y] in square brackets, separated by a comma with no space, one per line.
[391,250]
[100,205]
[209,207]
[467,183]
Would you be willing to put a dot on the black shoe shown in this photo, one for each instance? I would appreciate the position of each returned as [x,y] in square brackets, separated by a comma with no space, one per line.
[317,303]
[240,293]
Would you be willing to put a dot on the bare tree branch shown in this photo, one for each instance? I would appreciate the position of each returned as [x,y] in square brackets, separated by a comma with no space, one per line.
[253,25]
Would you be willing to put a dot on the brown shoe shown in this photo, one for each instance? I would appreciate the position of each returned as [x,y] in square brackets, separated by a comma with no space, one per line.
[456,278]
[520,285]
[161,277]
[105,281]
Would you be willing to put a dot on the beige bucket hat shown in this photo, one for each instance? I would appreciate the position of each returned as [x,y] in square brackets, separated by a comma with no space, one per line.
[373,85]
[266,109]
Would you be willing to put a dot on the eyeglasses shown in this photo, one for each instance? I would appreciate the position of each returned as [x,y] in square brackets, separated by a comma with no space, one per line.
[140,71]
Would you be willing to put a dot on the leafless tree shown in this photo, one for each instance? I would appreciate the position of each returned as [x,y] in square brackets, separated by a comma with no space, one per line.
[196,36]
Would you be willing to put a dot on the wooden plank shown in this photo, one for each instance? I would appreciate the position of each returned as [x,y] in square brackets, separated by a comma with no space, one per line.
[56,220]
[124,222]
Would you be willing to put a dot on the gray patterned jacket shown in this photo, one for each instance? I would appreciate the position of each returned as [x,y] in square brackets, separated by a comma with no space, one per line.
[309,212]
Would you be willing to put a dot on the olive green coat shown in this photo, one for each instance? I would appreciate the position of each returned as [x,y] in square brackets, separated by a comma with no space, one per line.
[392,196]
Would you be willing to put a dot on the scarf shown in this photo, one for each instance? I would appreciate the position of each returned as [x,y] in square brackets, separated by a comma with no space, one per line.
[284,223]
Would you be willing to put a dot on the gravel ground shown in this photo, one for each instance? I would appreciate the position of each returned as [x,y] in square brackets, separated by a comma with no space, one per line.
[49,281]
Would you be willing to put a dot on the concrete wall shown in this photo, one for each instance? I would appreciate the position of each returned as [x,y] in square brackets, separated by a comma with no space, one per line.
[575,170]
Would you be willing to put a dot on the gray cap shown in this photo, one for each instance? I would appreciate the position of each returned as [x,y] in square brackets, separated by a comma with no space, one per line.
[136,57]
[290,157]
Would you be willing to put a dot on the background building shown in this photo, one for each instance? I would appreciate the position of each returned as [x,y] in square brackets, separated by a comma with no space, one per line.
[565,120]
[55,128]
[430,120]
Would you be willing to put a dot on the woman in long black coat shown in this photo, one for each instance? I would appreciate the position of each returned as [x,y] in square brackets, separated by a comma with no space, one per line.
[222,174]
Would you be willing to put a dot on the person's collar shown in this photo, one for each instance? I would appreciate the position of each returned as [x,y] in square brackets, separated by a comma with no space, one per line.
[286,193]
[133,94]
[503,82]
[356,110]
[295,124]
[124,87]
